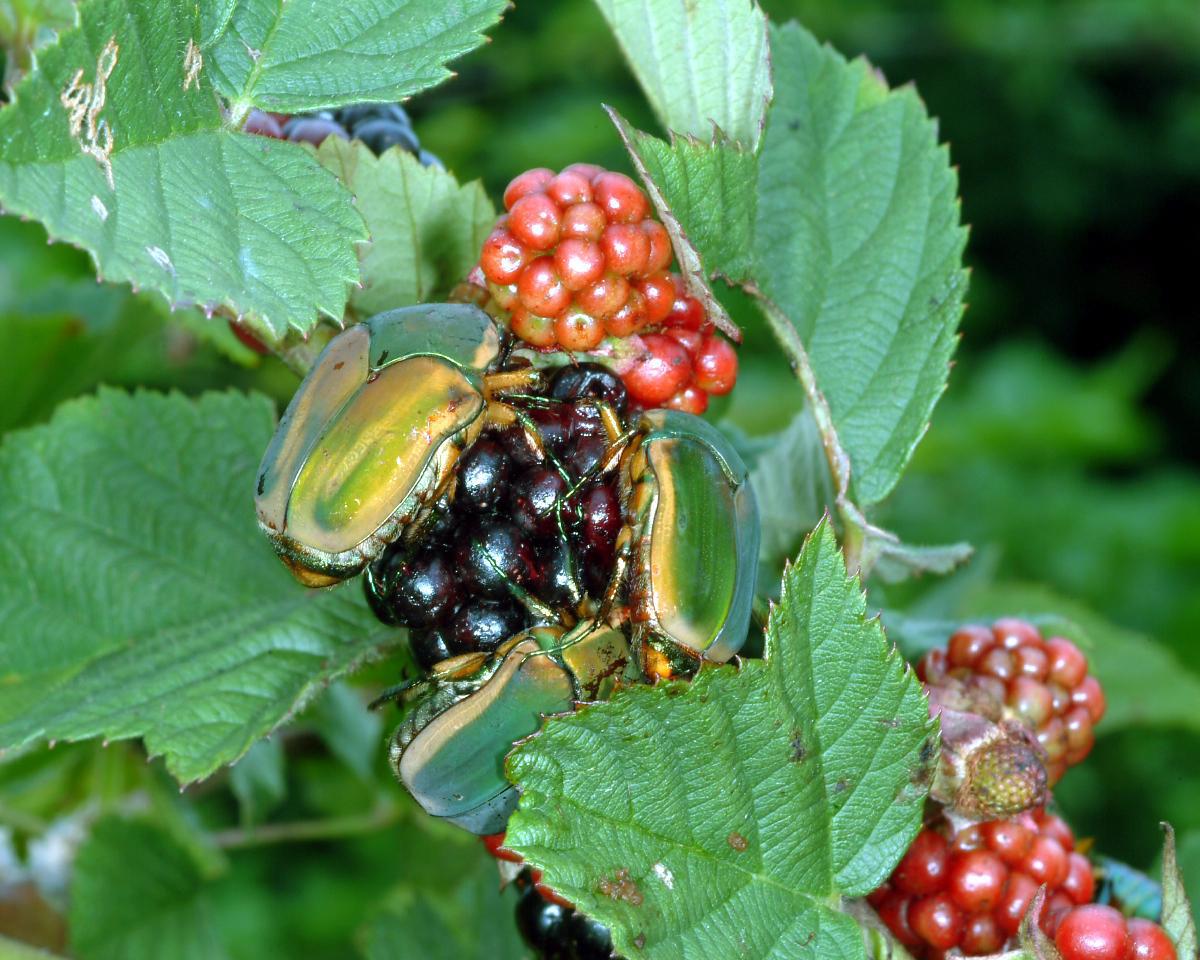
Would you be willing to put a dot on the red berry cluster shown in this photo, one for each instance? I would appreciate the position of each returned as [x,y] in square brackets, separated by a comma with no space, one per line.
[578,258]
[1041,682]
[970,889]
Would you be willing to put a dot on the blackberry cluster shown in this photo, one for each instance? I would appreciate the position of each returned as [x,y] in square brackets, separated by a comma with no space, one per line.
[528,531]
[578,258]
[1010,671]
[380,126]
[970,888]
[966,886]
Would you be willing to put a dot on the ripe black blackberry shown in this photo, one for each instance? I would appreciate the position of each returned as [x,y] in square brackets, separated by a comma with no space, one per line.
[527,534]
[379,126]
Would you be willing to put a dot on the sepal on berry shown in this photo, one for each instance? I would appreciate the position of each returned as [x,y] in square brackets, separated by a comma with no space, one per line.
[988,770]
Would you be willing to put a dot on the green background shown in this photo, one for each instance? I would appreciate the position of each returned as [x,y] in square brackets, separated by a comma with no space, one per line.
[1065,449]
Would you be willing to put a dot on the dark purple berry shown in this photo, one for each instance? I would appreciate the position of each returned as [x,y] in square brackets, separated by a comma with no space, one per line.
[542,925]
[428,159]
[313,130]
[589,939]
[589,380]
[484,626]
[558,581]
[536,494]
[353,117]
[601,510]
[425,590]
[483,475]
[377,585]
[429,647]
[587,453]
[492,555]
[380,135]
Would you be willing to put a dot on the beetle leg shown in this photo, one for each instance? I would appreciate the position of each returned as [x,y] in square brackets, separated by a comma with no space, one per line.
[509,380]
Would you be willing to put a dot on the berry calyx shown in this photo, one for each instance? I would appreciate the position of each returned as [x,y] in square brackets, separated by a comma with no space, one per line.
[1011,671]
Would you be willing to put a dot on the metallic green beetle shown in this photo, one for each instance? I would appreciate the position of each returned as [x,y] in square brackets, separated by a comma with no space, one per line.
[690,543]
[372,434]
[460,723]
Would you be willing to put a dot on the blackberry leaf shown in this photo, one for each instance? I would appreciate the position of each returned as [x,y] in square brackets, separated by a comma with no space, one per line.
[769,791]
[310,54]
[157,190]
[846,224]
[426,229]
[701,64]
[136,893]
[137,595]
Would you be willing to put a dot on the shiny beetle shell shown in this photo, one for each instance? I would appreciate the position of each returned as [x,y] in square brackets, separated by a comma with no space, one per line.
[694,537]
[371,434]
[458,727]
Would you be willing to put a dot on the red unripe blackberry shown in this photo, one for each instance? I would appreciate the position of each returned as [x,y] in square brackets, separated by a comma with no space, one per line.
[578,330]
[1147,941]
[570,187]
[580,262]
[535,221]
[584,241]
[976,880]
[541,290]
[1011,671]
[660,246]
[936,920]
[629,319]
[893,911]
[604,297]
[585,221]
[658,290]
[692,340]
[1093,932]
[531,181]
[503,258]
[619,197]
[922,871]
[989,873]
[534,329]
[1080,883]
[691,399]
[662,370]
[626,248]
[716,366]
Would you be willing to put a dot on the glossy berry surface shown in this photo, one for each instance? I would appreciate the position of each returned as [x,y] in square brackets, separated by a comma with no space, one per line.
[578,261]
[969,889]
[1094,932]
[526,531]
[1010,671]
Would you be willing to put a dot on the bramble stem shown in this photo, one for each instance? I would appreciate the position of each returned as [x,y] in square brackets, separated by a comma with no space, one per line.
[307,831]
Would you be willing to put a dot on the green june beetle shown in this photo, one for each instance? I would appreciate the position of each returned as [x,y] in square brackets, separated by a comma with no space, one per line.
[690,543]
[371,436]
[458,724]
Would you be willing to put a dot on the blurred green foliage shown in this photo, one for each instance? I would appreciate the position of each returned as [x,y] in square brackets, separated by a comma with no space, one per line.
[1065,449]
